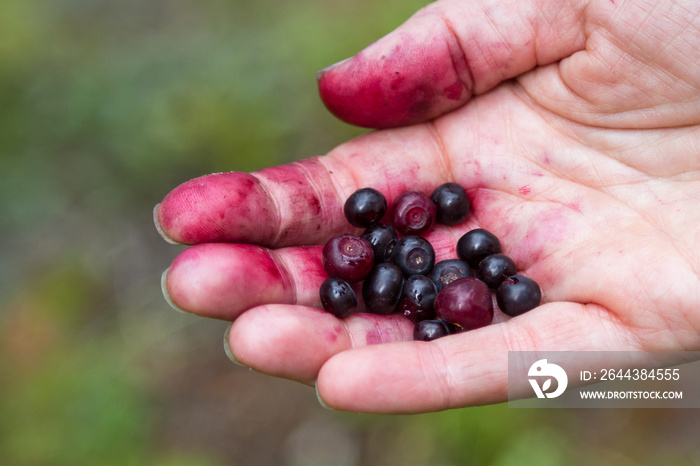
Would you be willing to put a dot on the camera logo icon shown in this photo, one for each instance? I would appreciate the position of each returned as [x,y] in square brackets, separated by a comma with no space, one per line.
[542,369]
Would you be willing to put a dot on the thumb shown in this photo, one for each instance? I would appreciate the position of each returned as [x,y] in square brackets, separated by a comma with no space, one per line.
[446,53]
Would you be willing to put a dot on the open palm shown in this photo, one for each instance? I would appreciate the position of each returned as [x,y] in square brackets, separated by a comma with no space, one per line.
[573,126]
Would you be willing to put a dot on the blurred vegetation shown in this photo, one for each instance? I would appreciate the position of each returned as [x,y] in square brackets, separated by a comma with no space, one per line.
[104,107]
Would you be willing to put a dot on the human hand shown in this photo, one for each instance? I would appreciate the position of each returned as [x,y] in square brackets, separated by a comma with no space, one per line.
[586,165]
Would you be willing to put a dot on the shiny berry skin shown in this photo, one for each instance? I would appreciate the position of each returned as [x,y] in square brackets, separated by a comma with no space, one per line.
[417,300]
[465,302]
[381,289]
[414,213]
[429,330]
[475,245]
[348,257]
[494,269]
[449,270]
[383,238]
[452,204]
[365,207]
[518,294]
[414,255]
[337,297]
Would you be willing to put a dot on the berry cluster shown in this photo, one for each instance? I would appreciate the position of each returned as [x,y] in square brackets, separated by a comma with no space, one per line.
[398,273]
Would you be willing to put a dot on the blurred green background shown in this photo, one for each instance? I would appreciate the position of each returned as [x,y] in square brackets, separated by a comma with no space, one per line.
[104,107]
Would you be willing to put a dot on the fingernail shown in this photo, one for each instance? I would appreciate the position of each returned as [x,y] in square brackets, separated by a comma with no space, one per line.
[320,73]
[159,227]
[166,294]
[320,400]
[227,348]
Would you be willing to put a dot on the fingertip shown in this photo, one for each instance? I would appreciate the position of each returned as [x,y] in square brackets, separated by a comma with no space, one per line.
[320,73]
[231,206]
[221,280]
[291,345]
[228,350]
[159,226]
[402,79]
[166,293]
[320,398]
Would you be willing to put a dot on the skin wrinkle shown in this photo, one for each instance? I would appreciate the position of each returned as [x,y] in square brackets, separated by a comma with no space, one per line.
[405,335]
[443,158]
[349,336]
[576,8]
[437,369]
[521,340]
[691,23]
[616,332]
[289,281]
[670,330]
[519,91]
[639,28]
[540,255]
[314,185]
[648,63]
[469,83]
[623,151]
[602,185]
[323,161]
[551,26]
[345,168]
[494,65]
[382,334]
[262,182]
[659,51]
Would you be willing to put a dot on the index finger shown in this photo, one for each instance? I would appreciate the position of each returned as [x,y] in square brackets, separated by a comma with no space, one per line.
[300,203]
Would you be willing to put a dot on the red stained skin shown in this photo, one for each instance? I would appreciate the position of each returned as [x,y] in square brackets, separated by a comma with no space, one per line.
[576,206]
[239,207]
[385,329]
[236,203]
[331,334]
[454,92]
[223,280]
[411,83]
[374,337]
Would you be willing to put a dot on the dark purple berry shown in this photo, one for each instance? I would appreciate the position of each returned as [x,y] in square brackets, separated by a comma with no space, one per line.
[449,270]
[518,294]
[452,203]
[365,207]
[429,330]
[337,297]
[414,255]
[465,302]
[414,213]
[475,245]
[381,289]
[494,269]
[452,328]
[418,298]
[348,257]
[383,238]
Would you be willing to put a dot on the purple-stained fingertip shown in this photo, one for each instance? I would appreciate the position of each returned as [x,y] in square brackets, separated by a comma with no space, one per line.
[159,226]
[320,73]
